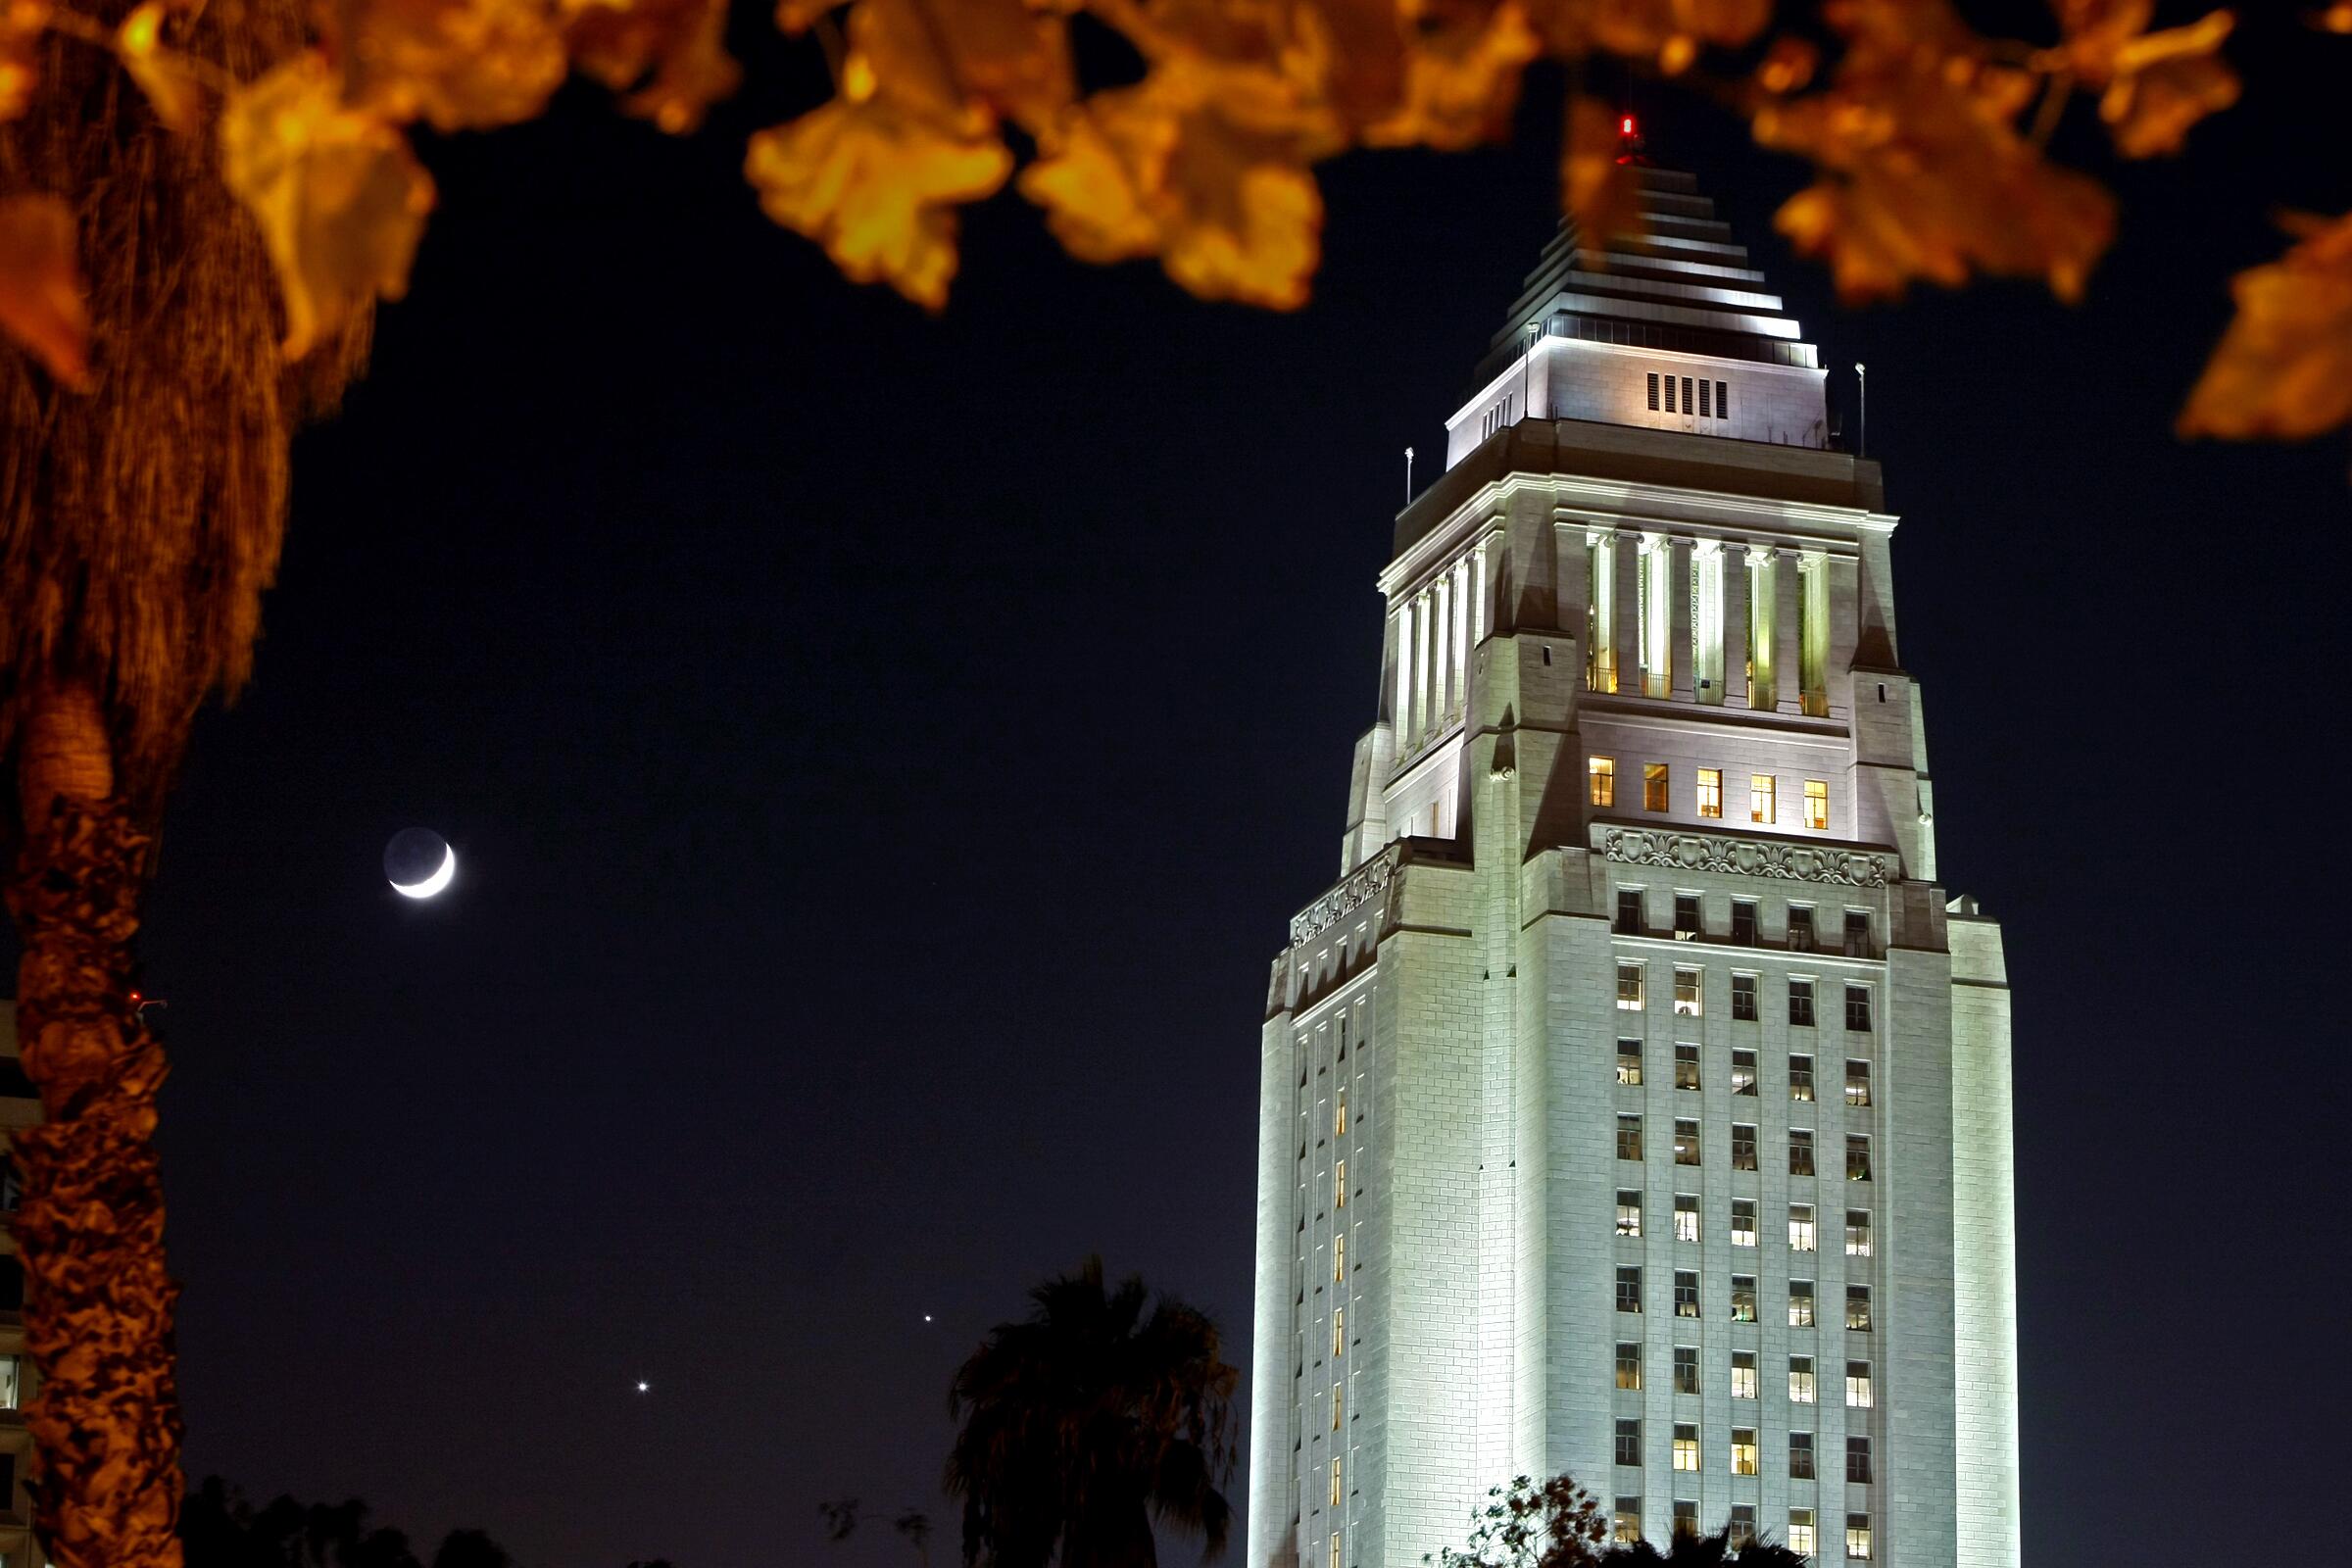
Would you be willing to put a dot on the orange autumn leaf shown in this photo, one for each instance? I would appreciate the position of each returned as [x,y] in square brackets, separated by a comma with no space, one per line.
[877,185]
[669,56]
[2337,17]
[1601,194]
[42,304]
[947,57]
[1667,31]
[1211,182]
[339,197]
[2284,368]
[1461,81]
[2157,84]
[172,91]
[463,65]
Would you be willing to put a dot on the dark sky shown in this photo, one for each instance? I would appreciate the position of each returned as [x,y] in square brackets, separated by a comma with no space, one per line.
[884,753]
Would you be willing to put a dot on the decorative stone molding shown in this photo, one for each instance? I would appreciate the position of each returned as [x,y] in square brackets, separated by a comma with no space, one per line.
[1793,862]
[1361,886]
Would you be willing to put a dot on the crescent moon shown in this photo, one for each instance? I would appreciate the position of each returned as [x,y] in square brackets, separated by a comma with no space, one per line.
[434,882]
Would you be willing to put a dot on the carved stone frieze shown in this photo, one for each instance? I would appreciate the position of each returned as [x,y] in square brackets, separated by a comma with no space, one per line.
[1360,887]
[1791,862]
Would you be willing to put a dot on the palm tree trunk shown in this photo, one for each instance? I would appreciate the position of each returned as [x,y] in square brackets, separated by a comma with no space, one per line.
[106,1420]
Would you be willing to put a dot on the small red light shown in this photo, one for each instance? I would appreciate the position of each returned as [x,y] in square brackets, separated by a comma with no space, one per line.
[1625,125]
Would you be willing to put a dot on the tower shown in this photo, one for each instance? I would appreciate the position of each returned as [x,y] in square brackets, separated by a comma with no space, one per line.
[1636,1105]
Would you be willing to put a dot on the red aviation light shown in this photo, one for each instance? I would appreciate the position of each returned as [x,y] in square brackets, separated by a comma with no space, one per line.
[1625,126]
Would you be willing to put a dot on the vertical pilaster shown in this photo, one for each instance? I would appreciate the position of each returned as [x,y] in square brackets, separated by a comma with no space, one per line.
[1785,586]
[1681,593]
[1735,625]
[1628,556]
[1441,699]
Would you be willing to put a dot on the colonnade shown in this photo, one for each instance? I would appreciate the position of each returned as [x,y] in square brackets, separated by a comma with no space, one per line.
[1714,621]
[1434,631]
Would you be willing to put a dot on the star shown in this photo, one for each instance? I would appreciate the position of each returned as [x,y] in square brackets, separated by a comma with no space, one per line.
[643,1387]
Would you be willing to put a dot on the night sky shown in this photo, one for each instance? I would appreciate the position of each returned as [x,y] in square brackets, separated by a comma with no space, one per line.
[884,753]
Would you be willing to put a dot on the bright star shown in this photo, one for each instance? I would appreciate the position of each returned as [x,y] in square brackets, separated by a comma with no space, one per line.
[643,1387]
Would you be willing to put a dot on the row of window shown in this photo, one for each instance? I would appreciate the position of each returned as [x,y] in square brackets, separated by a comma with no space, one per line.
[1803,1387]
[1691,994]
[1743,1069]
[1687,1145]
[1631,919]
[1624,1526]
[1713,401]
[1658,786]
[1744,1298]
[1803,1234]
[1686,1455]
[1656,586]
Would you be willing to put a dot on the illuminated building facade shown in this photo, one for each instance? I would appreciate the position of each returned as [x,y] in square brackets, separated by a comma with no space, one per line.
[1636,1105]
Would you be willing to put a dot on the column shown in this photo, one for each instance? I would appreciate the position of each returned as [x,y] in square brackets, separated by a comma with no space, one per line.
[1441,648]
[1784,631]
[1680,627]
[1706,621]
[1401,711]
[1735,625]
[1626,610]
[1421,651]
[1480,593]
[1461,634]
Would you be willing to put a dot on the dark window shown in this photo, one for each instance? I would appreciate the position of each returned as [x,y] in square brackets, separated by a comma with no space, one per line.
[1629,1290]
[1629,911]
[1685,1142]
[1743,921]
[1706,401]
[1685,1369]
[1743,1146]
[1800,1078]
[1800,1152]
[1800,1003]
[12,1285]
[1670,394]
[1685,1293]
[13,1085]
[1653,391]
[1629,1442]
[1742,1526]
[1686,1066]
[1743,998]
[1743,1297]
[1800,928]
[1857,933]
[1857,1007]
[1686,922]
[1629,1366]
[1857,1157]
[1800,1456]
[1857,1309]
[1629,1138]
[1857,1461]
[1687,403]
[1723,401]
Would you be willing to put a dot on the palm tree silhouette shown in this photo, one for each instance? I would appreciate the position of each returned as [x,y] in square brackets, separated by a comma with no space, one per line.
[1101,1412]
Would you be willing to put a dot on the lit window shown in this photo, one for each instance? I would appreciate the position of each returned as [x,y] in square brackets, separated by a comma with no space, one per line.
[1629,1366]
[1743,1222]
[1601,773]
[1685,1293]
[1801,1079]
[1800,1520]
[1335,1483]
[1685,1445]
[1625,1522]
[1743,924]
[1857,1308]
[1858,1536]
[1800,1228]
[1686,924]
[1628,1213]
[1686,1066]
[1858,1156]
[12,1381]
[1857,1461]
[1857,1007]
[1743,1297]
[1339,1329]
[1337,1399]
[1710,791]
[1629,987]
[1759,798]
[1817,804]
[1800,928]
[1800,1304]
[1629,1137]
[1339,1185]
[1857,1082]
[1685,1369]
[1339,1258]
[1857,1233]
[1685,1217]
[1800,1001]
[1686,1511]
[1800,1152]
[1629,913]
[1743,1146]
[1654,786]
[1744,1062]
[1338,1114]
[1629,1290]
[1743,1374]
[1685,1141]
[1857,1384]
[1801,1380]
[1688,1002]
[1743,1450]
[1629,1063]
[1628,1441]
[1600,619]
[1740,1532]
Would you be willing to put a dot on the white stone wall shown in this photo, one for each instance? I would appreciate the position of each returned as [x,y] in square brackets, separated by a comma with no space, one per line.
[1570,378]
[1984,1252]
